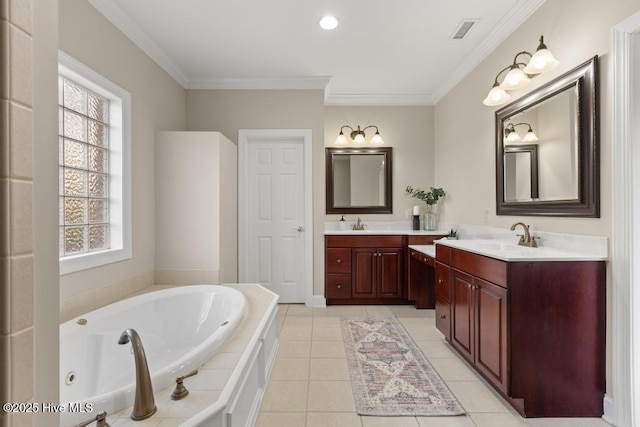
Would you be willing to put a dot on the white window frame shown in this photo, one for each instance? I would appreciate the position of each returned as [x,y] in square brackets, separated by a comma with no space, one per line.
[120,246]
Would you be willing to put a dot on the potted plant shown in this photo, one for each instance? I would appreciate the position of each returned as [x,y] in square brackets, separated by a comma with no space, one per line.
[431,198]
[453,234]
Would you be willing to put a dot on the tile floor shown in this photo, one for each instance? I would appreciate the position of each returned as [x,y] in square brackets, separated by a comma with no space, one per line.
[310,386]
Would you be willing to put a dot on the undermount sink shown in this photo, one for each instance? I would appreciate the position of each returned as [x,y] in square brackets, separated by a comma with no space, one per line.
[497,246]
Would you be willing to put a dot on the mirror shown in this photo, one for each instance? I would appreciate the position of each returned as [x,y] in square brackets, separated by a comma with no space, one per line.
[521,172]
[358,180]
[558,174]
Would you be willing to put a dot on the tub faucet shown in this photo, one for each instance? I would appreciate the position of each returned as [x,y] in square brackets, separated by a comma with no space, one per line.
[144,404]
[527,239]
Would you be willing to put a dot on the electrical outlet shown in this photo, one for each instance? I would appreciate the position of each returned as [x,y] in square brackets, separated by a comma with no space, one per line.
[486,216]
[407,214]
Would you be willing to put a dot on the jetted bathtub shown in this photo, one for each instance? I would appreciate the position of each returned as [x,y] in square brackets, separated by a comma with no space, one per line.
[181,328]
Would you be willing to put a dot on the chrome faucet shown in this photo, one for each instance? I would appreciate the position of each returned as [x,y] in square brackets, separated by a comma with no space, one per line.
[144,404]
[527,239]
[358,225]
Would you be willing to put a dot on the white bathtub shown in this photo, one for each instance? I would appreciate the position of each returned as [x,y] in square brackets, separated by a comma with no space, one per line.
[181,329]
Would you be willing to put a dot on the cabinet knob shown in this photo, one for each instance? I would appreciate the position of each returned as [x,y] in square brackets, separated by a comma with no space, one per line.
[339,286]
[440,281]
[338,261]
[442,316]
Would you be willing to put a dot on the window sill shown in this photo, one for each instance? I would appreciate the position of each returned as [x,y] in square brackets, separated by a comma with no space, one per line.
[72,264]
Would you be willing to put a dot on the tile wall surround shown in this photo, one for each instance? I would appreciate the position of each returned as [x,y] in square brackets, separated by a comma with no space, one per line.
[16,214]
[187,277]
[593,245]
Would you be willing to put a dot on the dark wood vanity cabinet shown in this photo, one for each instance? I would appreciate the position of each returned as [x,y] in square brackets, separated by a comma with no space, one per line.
[377,269]
[365,269]
[421,280]
[534,330]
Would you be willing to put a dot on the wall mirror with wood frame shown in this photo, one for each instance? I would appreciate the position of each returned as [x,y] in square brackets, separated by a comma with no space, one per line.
[564,115]
[358,180]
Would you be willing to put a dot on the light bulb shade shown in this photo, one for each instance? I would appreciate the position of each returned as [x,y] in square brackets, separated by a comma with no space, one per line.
[496,96]
[377,139]
[541,61]
[515,79]
[341,139]
[359,138]
[513,136]
[530,136]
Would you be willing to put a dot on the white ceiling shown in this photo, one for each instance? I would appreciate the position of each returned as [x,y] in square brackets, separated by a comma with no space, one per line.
[383,52]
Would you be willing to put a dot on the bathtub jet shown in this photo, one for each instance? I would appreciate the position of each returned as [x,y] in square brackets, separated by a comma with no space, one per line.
[144,404]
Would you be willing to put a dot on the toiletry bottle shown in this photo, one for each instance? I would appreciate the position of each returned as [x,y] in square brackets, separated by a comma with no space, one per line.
[342,224]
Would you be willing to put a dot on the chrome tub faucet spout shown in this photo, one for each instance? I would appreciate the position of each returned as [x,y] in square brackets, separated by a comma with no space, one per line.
[527,239]
[144,404]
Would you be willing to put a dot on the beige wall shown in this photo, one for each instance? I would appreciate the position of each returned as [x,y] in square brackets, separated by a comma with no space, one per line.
[465,145]
[158,103]
[574,31]
[228,111]
[410,131]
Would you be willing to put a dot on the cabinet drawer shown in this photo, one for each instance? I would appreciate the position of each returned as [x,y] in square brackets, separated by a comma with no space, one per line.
[338,260]
[419,256]
[490,269]
[338,286]
[443,318]
[443,285]
[443,254]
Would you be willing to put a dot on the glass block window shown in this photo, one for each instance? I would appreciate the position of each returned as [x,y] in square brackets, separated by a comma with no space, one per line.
[94,191]
[83,139]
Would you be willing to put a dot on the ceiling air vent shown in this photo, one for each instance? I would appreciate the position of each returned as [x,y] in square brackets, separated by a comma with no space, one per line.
[462,29]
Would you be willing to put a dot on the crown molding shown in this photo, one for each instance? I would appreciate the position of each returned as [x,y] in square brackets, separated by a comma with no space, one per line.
[129,28]
[379,100]
[519,13]
[299,83]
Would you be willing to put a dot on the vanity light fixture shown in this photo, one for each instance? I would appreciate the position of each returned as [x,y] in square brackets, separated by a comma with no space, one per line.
[510,134]
[519,74]
[358,136]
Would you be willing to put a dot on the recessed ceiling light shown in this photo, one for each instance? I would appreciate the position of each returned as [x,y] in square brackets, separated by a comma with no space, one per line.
[328,22]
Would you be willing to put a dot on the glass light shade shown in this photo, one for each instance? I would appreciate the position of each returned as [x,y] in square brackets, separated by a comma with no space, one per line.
[530,136]
[541,61]
[515,79]
[328,22]
[513,137]
[496,96]
[377,139]
[341,139]
[359,139]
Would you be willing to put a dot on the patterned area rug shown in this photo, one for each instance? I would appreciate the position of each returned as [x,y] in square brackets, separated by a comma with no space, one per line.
[390,375]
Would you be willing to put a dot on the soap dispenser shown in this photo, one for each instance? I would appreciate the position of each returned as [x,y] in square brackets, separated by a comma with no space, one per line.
[342,224]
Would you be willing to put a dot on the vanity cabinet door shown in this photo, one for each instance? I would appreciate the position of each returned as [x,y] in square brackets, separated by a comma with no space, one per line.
[377,273]
[491,331]
[389,273]
[365,272]
[462,313]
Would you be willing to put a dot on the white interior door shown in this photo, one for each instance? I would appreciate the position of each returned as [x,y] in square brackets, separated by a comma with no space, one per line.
[273,212]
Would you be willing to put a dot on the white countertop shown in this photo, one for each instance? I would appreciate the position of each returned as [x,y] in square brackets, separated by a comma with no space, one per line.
[512,252]
[429,250]
[387,231]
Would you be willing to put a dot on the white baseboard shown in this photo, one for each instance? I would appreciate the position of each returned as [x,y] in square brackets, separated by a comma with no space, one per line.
[609,410]
[317,301]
